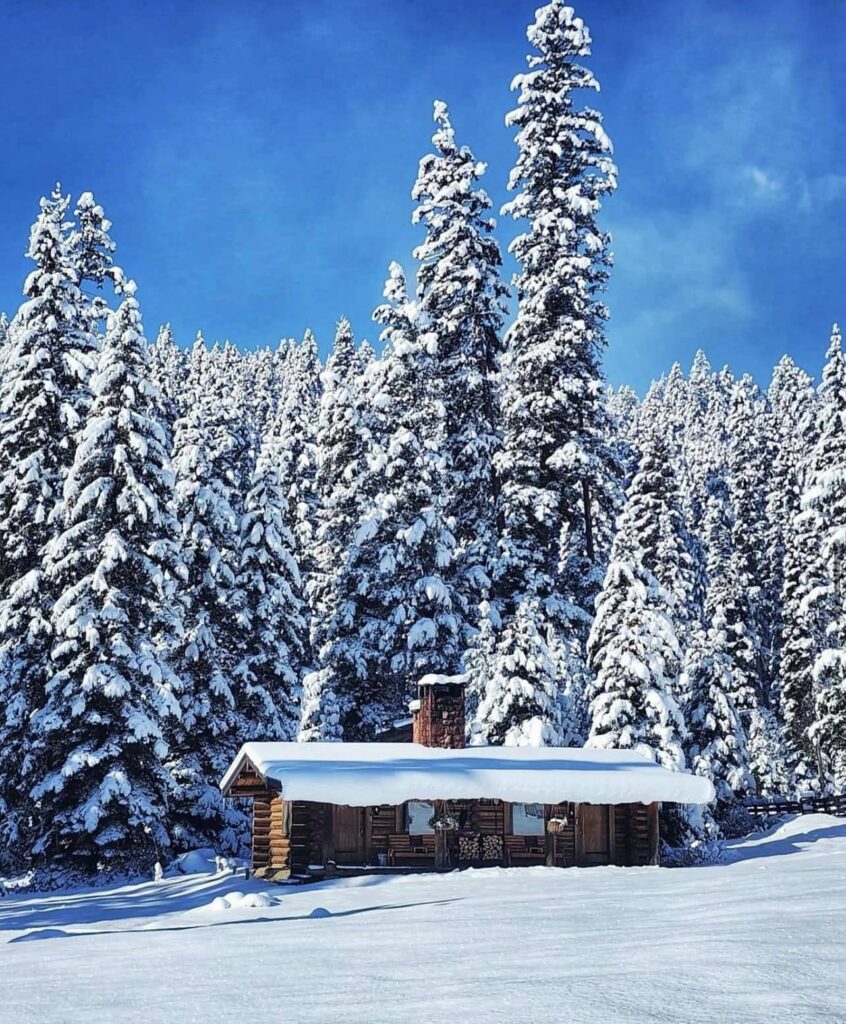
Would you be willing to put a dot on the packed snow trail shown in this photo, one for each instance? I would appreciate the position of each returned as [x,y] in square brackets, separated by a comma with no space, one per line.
[759,938]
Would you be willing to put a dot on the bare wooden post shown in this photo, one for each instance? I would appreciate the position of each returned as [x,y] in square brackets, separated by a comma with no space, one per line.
[441,838]
[328,837]
[652,822]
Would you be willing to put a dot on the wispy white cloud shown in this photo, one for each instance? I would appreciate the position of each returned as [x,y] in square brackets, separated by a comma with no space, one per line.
[764,184]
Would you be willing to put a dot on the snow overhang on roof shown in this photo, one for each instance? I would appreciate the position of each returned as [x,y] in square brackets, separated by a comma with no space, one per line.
[367,774]
[436,679]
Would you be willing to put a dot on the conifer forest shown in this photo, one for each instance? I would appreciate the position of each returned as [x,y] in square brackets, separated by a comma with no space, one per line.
[204,545]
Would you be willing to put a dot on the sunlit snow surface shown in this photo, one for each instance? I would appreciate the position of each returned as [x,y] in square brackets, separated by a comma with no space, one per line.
[761,938]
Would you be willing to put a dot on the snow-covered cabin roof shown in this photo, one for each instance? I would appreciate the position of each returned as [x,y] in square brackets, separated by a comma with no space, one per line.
[366,774]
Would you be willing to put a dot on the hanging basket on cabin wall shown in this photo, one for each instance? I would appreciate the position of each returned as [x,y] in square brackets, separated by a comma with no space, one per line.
[444,821]
[555,826]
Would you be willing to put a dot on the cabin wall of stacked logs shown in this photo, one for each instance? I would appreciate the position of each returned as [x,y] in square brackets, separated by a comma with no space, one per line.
[289,839]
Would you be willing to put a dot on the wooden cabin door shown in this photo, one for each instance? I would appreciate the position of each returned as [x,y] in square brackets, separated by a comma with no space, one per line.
[593,834]
[349,835]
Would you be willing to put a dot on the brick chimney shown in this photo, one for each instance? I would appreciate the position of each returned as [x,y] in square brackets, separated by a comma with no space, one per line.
[438,713]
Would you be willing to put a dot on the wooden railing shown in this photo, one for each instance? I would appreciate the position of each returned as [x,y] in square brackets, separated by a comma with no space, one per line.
[834,804]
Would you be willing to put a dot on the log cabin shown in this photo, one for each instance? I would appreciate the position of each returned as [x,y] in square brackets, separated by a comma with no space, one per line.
[434,804]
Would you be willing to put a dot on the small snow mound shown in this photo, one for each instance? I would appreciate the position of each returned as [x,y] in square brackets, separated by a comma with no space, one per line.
[196,862]
[256,899]
[319,912]
[241,901]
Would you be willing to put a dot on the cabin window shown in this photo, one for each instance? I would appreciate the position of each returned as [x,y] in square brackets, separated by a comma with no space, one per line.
[527,819]
[418,814]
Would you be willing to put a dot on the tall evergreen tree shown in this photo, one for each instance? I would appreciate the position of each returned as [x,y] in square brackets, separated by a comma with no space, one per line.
[342,442]
[461,298]
[717,685]
[43,397]
[215,709]
[521,704]
[557,473]
[100,785]
[168,369]
[826,499]
[92,254]
[396,617]
[748,472]
[633,644]
[347,482]
[298,407]
[273,621]
[794,566]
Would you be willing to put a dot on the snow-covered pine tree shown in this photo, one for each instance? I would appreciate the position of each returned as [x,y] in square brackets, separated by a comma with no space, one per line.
[633,645]
[101,788]
[716,684]
[262,392]
[521,704]
[225,379]
[806,601]
[462,300]
[670,555]
[4,337]
[704,410]
[92,253]
[479,666]
[298,409]
[346,484]
[729,586]
[365,356]
[168,369]
[794,566]
[557,473]
[716,746]
[216,714]
[397,619]
[342,442]
[748,473]
[825,498]
[273,622]
[623,408]
[43,397]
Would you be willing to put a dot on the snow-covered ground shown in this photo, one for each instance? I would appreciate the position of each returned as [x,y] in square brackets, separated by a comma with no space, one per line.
[761,937]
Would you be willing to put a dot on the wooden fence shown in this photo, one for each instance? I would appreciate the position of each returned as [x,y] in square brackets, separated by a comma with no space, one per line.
[774,806]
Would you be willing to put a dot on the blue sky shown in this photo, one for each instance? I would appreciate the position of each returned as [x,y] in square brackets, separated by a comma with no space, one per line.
[256,158]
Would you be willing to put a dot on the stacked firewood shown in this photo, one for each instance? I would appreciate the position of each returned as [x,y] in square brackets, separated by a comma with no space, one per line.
[491,847]
[468,847]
